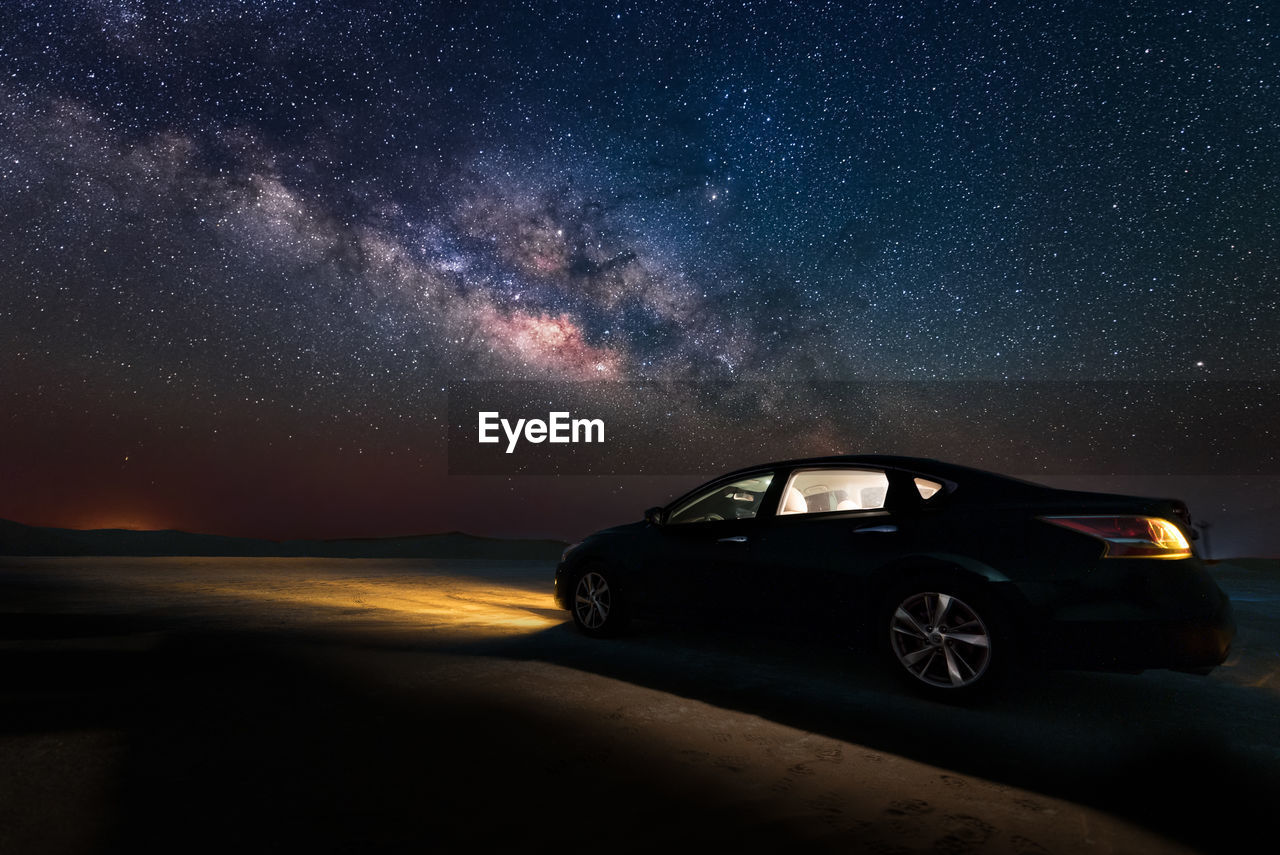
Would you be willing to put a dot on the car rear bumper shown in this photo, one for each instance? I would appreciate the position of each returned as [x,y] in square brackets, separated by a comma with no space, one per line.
[1129,615]
[1196,645]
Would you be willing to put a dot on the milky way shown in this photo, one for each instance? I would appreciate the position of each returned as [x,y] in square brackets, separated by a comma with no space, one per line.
[242,238]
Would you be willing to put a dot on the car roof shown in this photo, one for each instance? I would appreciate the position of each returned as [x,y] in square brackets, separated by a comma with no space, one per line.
[890,460]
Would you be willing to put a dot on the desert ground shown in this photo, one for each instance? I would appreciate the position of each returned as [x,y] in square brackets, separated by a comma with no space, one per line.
[351,705]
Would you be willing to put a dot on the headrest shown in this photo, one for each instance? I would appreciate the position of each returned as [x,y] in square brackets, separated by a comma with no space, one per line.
[794,503]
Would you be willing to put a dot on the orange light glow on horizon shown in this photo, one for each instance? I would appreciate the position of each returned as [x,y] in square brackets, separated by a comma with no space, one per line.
[125,520]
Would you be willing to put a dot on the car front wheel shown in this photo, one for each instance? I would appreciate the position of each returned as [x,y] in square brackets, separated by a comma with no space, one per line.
[598,611]
[946,640]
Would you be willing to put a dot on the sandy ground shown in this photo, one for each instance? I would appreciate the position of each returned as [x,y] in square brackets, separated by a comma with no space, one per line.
[397,705]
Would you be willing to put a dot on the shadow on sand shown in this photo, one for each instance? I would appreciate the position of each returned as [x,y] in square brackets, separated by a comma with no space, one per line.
[250,740]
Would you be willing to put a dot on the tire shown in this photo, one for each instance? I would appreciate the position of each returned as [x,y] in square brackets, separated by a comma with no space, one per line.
[945,637]
[597,608]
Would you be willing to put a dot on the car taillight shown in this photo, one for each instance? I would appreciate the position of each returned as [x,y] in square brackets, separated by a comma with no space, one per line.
[1131,537]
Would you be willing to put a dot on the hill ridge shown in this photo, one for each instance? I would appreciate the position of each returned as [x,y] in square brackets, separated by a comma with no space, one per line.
[25,540]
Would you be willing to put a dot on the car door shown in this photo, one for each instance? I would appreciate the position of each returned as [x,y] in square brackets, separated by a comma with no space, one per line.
[809,560]
[704,549]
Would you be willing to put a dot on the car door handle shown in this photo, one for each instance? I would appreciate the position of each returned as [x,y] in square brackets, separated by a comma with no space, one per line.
[741,538]
[884,528]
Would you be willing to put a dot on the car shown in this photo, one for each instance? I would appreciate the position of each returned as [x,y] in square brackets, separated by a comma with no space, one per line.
[955,575]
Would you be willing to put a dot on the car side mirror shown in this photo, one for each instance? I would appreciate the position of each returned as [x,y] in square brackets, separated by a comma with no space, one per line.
[653,516]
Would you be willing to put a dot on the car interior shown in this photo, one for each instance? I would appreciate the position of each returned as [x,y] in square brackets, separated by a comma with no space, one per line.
[808,491]
[737,501]
[812,491]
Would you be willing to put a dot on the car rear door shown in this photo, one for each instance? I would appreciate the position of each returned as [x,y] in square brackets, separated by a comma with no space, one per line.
[807,570]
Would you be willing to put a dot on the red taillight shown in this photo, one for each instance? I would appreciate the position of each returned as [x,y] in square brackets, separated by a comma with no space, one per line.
[1131,537]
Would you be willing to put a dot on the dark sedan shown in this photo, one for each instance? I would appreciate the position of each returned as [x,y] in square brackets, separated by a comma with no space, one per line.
[954,574]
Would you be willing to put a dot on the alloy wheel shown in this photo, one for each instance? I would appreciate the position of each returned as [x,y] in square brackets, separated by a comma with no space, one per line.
[592,600]
[940,640]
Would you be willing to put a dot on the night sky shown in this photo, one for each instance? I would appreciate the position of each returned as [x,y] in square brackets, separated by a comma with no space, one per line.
[245,247]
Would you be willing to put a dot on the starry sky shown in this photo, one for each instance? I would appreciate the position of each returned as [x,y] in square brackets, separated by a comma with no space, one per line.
[246,247]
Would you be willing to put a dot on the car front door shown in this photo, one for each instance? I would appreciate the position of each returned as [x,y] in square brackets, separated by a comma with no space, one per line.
[705,547]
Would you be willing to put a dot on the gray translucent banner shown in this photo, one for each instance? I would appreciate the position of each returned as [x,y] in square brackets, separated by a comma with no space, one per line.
[1192,428]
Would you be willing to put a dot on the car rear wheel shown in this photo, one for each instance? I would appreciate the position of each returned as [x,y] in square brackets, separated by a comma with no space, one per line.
[598,611]
[945,638]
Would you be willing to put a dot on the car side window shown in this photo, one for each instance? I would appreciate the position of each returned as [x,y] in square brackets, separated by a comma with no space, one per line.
[927,488]
[738,500]
[814,491]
